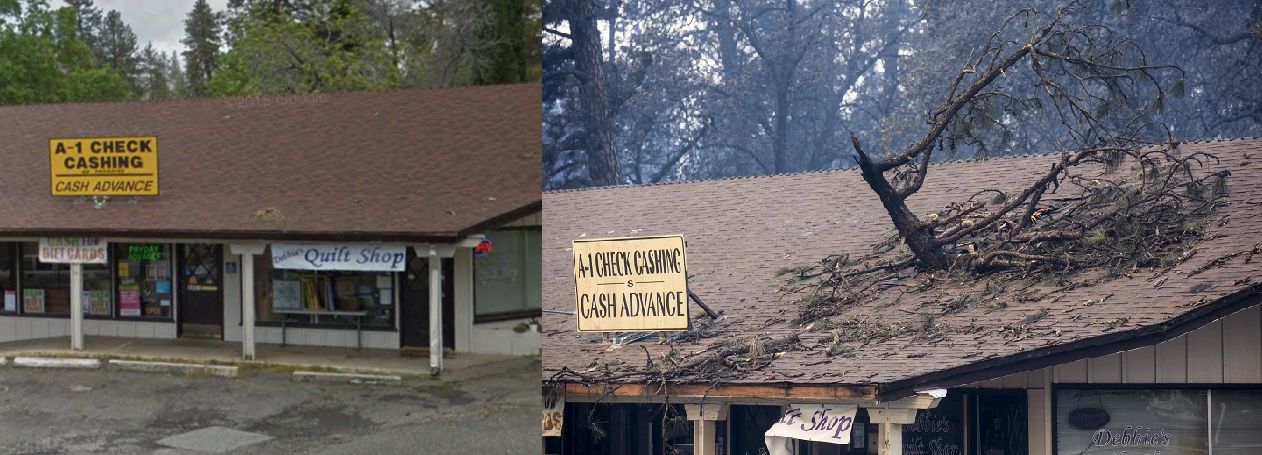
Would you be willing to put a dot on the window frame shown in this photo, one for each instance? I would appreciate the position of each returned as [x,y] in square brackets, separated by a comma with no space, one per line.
[511,315]
[21,286]
[172,266]
[1209,389]
[266,258]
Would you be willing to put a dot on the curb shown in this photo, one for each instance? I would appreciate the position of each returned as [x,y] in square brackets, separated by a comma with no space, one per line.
[352,378]
[56,362]
[168,367]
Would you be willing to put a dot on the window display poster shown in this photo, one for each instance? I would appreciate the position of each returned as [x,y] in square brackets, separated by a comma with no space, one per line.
[10,300]
[1136,422]
[33,300]
[287,294]
[938,430]
[96,302]
[163,286]
[129,300]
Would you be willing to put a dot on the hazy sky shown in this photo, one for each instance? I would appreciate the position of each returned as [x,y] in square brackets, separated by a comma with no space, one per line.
[157,21]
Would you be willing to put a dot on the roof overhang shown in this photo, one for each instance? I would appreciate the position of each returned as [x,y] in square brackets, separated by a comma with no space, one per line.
[695,391]
[293,235]
[1082,349]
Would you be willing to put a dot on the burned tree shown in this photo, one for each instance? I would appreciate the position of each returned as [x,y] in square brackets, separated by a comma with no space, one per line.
[1110,205]
[1088,78]
[586,67]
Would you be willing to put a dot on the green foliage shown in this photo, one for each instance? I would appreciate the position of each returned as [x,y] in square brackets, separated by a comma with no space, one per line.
[43,60]
[516,32]
[80,53]
[329,46]
[202,39]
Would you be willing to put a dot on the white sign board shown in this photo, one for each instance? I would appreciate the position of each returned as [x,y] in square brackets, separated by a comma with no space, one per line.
[357,257]
[553,418]
[631,284]
[829,423]
[72,250]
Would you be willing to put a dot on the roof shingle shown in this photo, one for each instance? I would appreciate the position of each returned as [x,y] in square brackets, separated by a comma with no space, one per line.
[741,231]
[400,165]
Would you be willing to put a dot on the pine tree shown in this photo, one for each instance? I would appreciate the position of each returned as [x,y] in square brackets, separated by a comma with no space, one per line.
[202,38]
[117,44]
[154,66]
[87,20]
[510,31]
[175,76]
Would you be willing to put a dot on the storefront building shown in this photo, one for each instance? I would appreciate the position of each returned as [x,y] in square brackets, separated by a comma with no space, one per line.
[1160,362]
[381,220]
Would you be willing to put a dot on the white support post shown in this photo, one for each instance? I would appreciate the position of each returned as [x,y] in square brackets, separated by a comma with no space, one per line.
[76,307]
[435,311]
[891,436]
[247,251]
[889,428]
[705,417]
[703,437]
[247,306]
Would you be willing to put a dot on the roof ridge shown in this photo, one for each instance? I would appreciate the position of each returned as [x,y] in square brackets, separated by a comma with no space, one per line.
[238,99]
[855,168]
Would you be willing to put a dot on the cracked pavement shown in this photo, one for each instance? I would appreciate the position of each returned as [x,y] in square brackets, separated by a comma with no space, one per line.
[52,411]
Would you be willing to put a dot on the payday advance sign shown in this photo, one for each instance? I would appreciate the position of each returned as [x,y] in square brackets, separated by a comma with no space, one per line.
[358,257]
[72,250]
[104,166]
[631,284]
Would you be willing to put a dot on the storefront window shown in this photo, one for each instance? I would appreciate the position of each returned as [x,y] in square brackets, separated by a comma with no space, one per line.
[280,289]
[507,279]
[1237,420]
[46,287]
[1132,421]
[8,279]
[144,280]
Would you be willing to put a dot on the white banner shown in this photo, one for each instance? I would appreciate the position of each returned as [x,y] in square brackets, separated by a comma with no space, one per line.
[365,257]
[72,250]
[829,423]
[553,418]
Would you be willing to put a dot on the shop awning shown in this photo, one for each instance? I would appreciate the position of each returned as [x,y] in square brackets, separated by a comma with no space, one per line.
[830,423]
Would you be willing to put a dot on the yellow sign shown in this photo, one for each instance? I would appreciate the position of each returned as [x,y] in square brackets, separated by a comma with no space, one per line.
[104,166]
[631,284]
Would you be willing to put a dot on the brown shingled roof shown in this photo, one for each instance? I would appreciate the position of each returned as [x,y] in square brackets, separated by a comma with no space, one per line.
[741,231]
[401,165]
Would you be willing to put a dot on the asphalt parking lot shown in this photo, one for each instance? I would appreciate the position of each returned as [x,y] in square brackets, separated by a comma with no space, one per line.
[52,411]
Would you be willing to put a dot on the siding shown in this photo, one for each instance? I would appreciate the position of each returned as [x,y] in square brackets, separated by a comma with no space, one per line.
[1226,351]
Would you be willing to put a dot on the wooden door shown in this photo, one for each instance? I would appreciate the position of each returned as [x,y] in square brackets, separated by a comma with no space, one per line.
[201,290]
[415,304]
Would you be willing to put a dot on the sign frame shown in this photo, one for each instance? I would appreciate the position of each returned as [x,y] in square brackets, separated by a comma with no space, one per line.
[798,416]
[101,244]
[687,313]
[338,257]
[53,177]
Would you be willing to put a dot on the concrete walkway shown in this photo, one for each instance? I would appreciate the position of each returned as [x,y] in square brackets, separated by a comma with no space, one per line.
[458,366]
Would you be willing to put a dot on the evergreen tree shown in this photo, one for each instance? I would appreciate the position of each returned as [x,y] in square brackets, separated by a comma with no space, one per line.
[175,76]
[202,38]
[43,60]
[87,20]
[154,67]
[118,49]
[511,31]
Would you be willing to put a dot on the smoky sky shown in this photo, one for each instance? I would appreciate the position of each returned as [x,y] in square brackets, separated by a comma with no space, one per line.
[158,21]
